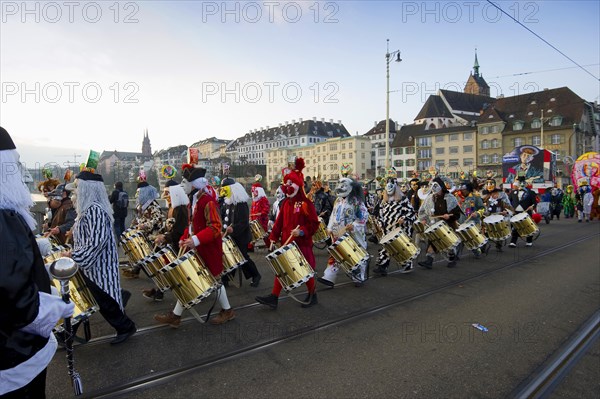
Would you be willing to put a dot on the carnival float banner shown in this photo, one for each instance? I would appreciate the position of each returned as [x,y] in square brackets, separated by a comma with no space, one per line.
[529,162]
[587,168]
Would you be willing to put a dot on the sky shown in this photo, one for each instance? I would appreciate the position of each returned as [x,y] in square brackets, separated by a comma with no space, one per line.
[87,76]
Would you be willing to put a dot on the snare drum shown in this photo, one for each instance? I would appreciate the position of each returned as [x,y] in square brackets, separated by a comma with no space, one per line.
[153,263]
[258,233]
[189,279]
[419,227]
[399,246]
[129,232]
[290,266]
[321,233]
[82,298]
[442,237]
[232,256]
[136,247]
[524,225]
[470,234]
[375,227]
[346,251]
[496,228]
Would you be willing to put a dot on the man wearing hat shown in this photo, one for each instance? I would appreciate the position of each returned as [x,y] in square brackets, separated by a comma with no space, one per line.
[471,207]
[522,199]
[63,213]
[235,217]
[496,202]
[297,221]
[203,235]
[525,169]
[29,311]
[95,251]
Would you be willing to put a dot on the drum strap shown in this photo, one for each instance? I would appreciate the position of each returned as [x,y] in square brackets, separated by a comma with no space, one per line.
[298,300]
[197,315]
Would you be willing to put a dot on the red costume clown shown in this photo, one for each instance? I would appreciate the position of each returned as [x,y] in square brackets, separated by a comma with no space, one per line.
[297,221]
[260,208]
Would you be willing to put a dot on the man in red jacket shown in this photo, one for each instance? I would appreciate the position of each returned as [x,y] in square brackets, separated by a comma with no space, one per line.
[297,219]
[204,234]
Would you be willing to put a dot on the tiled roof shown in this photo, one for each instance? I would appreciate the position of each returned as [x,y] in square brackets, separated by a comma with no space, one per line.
[466,102]
[380,128]
[210,140]
[434,107]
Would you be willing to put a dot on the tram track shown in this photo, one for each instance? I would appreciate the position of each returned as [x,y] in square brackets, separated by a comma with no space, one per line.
[158,378]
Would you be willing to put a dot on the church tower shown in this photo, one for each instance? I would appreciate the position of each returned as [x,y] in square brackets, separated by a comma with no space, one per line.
[476,84]
[146,149]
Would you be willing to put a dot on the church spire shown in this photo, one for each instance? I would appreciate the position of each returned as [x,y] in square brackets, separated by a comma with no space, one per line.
[476,65]
[146,148]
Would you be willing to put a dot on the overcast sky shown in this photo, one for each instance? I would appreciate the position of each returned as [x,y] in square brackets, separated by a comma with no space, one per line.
[94,75]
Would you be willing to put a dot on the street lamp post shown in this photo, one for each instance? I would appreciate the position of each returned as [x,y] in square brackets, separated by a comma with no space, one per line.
[388,58]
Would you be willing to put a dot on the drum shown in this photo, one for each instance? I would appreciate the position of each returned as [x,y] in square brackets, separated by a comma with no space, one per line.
[321,233]
[524,225]
[136,247]
[374,227]
[419,228]
[129,232]
[258,233]
[496,228]
[346,251]
[56,252]
[232,256]
[470,234]
[399,246]
[82,298]
[153,263]
[189,279]
[290,266]
[442,237]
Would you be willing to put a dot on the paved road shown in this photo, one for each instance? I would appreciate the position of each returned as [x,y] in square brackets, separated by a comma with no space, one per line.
[424,347]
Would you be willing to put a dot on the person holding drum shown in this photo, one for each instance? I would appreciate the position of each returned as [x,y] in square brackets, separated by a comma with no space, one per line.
[349,216]
[471,205]
[203,235]
[522,200]
[259,210]
[498,210]
[395,211]
[29,311]
[149,218]
[297,221]
[440,204]
[174,226]
[95,251]
[234,214]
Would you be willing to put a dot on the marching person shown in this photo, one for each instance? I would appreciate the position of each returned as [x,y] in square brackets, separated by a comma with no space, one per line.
[234,214]
[395,211]
[149,220]
[522,199]
[297,221]
[174,226]
[259,209]
[349,216]
[29,311]
[440,204]
[203,235]
[496,202]
[63,213]
[412,194]
[470,205]
[322,201]
[279,197]
[95,251]
[119,210]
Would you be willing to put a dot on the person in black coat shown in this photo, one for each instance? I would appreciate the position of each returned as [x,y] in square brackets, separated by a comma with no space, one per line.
[522,199]
[119,213]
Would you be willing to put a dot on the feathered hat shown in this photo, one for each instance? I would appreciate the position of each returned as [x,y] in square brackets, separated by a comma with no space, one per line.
[191,172]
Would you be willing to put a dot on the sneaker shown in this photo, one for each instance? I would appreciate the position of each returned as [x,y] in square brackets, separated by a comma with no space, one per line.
[325,281]
[149,293]
[310,300]
[269,300]
[512,245]
[223,317]
[529,244]
[170,318]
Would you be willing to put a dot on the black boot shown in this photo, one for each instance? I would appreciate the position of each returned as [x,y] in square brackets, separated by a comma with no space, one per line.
[310,300]
[269,300]
[382,269]
[427,263]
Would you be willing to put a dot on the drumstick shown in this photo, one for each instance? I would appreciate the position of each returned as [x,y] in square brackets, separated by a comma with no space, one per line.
[290,237]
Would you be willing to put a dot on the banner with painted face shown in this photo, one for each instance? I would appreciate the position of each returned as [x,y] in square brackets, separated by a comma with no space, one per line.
[529,162]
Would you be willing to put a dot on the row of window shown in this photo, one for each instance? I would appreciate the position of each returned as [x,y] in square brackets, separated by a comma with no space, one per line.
[453,137]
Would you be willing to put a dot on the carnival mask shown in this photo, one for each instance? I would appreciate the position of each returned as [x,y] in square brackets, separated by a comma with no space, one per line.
[436,188]
[390,187]
[290,189]
[344,188]
[225,192]
[187,186]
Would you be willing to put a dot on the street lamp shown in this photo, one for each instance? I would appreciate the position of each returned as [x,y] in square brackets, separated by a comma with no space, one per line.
[388,58]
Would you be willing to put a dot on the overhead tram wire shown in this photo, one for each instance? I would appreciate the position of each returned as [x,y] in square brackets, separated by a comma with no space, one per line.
[544,40]
[542,71]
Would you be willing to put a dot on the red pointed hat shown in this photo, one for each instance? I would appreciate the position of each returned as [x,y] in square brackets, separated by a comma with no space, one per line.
[295,175]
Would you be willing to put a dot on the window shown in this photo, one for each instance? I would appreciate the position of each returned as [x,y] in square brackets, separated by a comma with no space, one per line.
[332,147]
[362,146]
[343,155]
[536,140]
[485,144]
[467,161]
[495,158]
[495,143]
[424,142]
[467,136]
[410,150]
[424,153]
[453,137]
[556,139]
[410,162]
[495,129]
[350,155]
[518,141]
[518,125]
[439,151]
[398,151]
[362,155]
[485,130]
[555,121]
[453,150]
[381,152]
[536,123]
[424,165]
[398,163]
[439,163]
[350,145]
[439,139]
[453,162]
[467,148]
[343,146]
